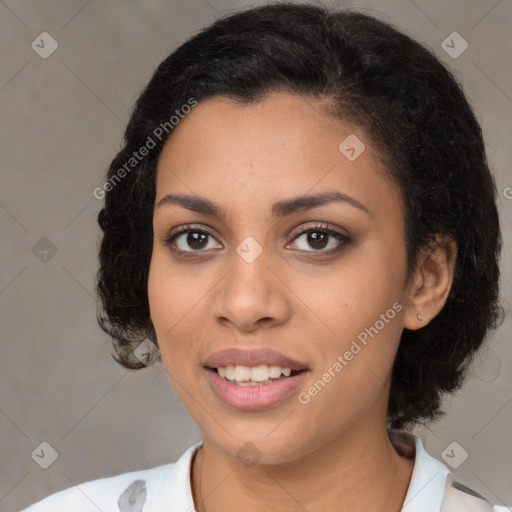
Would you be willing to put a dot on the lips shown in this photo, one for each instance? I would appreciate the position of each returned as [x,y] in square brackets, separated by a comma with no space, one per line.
[252,357]
[249,395]
[255,398]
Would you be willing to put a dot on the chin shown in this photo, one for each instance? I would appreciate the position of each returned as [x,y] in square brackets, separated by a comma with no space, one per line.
[267,443]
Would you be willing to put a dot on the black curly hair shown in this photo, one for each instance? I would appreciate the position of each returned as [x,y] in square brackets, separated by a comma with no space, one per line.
[414,112]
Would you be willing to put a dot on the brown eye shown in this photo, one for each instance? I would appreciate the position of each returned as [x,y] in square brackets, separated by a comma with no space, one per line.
[317,239]
[320,237]
[189,239]
[196,240]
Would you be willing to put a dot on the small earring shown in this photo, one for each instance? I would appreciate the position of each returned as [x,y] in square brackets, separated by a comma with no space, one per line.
[419,317]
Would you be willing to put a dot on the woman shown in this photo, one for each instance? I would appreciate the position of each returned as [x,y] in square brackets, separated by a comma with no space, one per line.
[303,221]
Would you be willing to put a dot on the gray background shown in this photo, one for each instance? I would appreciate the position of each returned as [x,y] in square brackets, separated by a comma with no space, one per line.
[61,124]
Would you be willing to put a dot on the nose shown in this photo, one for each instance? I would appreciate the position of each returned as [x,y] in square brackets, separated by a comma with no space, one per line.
[252,295]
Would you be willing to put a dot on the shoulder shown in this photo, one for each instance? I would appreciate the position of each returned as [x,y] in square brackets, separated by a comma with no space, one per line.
[432,486]
[134,491]
[104,493]
[458,497]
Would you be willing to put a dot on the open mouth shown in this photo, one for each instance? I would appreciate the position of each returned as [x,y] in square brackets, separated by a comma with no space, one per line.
[256,387]
[254,375]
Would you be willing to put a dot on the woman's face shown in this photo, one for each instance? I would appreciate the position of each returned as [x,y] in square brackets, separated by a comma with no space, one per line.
[271,277]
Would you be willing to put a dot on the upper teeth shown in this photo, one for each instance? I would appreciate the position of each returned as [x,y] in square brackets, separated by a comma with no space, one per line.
[259,373]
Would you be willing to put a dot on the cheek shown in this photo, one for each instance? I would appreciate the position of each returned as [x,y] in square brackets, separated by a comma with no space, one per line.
[173,290]
[354,370]
[159,292]
[170,300]
[355,294]
[363,309]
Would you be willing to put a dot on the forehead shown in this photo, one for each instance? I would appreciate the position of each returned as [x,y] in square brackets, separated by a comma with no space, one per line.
[286,145]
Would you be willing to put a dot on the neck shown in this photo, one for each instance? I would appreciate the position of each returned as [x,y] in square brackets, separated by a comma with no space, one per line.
[360,470]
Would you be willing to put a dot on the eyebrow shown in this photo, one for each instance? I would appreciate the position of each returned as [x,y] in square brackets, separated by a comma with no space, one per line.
[279,209]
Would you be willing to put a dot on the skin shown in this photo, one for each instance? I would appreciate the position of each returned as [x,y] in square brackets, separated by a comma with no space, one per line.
[245,158]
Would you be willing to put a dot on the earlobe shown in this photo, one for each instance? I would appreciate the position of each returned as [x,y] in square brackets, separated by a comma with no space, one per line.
[431,282]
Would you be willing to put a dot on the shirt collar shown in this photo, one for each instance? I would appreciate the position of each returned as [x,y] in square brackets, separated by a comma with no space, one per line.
[428,480]
[176,492]
[424,494]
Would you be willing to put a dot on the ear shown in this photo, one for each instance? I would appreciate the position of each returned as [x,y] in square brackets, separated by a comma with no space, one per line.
[431,282]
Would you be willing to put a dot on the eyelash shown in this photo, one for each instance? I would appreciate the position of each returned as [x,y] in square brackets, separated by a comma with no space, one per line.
[319,228]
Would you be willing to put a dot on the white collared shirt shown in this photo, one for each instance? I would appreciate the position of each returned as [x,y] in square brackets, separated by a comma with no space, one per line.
[167,488]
